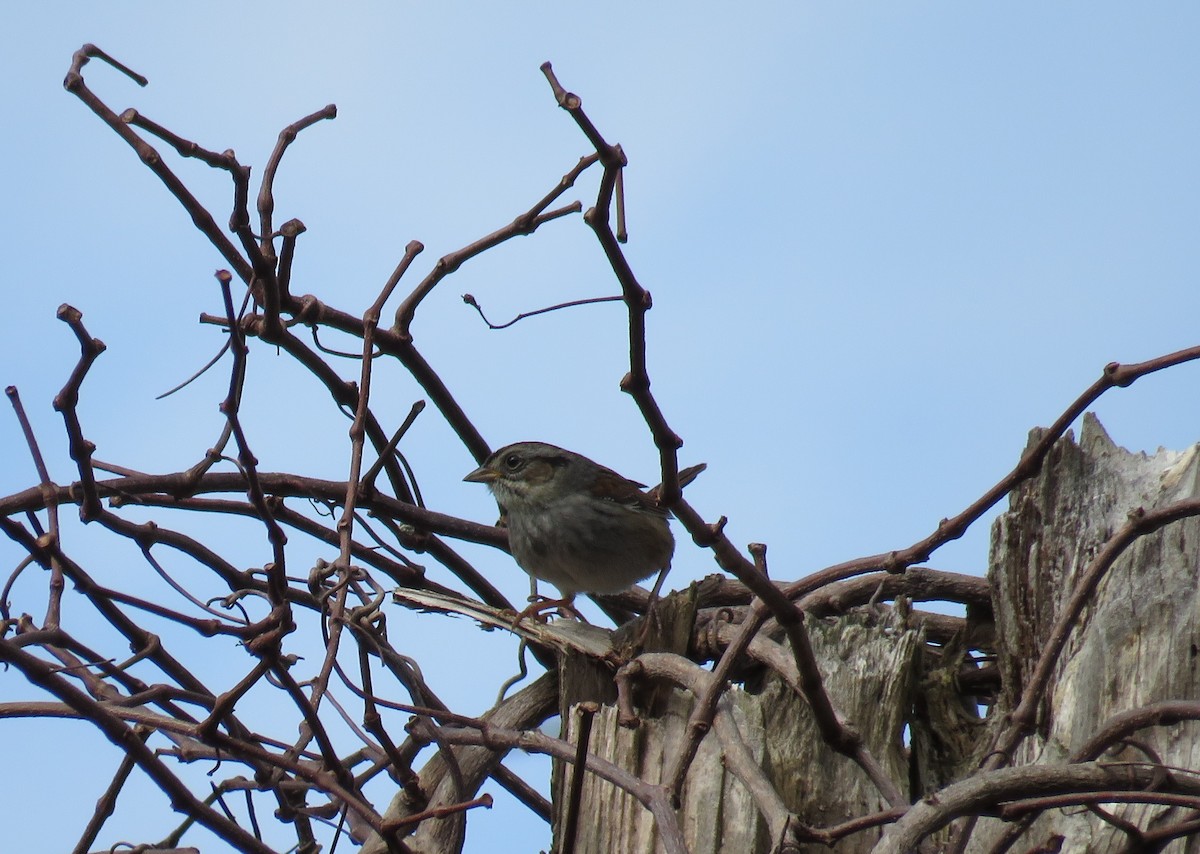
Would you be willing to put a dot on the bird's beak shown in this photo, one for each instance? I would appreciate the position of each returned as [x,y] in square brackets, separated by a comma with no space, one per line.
[483,474]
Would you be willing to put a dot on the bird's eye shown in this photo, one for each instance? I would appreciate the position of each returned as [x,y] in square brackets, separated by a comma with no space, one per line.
[512,462]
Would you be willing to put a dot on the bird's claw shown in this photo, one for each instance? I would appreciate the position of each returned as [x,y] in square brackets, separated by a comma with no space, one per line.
[539,606]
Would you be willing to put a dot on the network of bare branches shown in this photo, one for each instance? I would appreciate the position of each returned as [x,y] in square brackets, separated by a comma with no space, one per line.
[165,714]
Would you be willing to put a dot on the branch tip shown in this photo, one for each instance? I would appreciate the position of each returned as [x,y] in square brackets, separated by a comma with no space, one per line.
[90,51]
[68,313]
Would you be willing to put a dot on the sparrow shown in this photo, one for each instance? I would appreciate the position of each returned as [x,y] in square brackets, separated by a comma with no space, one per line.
[577,524]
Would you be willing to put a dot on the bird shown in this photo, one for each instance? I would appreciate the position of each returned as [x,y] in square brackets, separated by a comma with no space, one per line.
[577,524]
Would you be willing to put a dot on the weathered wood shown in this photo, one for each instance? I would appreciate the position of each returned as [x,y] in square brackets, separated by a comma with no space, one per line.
[1137,643]
[868,661]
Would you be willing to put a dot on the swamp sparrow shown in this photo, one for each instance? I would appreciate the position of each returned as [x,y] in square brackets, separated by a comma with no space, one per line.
[575,523]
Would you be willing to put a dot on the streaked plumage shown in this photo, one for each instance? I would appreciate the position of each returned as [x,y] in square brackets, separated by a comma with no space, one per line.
[572,522]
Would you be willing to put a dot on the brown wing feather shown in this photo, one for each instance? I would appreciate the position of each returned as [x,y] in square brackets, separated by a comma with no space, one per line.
[686,476]
[612,486]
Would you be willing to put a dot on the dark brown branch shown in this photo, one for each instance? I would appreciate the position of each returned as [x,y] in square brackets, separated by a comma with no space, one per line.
[524,224]
[984,791]
[290,231]
[277,571]
[183,147]
[266,197]
[65,403]
[49,542]
[1121,725]
[107,803]
[336,604]
[128,740]
[279,484]
[385,453]
[201,218]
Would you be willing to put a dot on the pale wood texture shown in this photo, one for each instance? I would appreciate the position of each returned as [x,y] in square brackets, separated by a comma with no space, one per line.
[1138,641]
[868,661]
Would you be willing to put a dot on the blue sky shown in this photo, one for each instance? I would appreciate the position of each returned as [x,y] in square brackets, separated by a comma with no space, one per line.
[884,241]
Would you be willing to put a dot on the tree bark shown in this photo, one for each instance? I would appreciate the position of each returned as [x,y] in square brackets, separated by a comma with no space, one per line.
[868,660]
[1135,644]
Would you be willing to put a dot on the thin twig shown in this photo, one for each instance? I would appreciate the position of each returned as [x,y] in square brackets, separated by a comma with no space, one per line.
[471,301]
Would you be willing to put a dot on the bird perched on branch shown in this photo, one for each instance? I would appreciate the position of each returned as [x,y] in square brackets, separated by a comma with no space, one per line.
[573,522]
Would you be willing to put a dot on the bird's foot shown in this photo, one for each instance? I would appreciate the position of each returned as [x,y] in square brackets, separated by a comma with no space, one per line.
[539,606]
